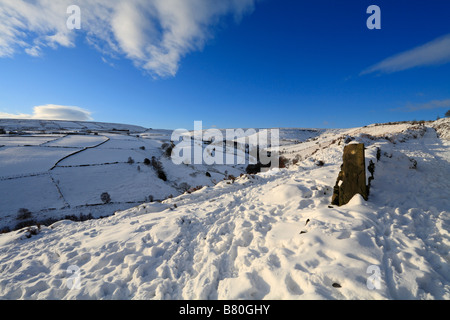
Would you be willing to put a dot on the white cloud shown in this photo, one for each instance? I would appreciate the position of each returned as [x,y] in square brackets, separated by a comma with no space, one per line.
[52,112]
[33,51]
[104,60]
[434,104]
[154,34]
[435,52]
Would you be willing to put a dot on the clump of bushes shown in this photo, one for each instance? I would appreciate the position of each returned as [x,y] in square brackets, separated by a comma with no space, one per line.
[25,217]
[319,163]
[157,165]
[193,189]
[348,139]
[256,168]
[296,159]
[23,214]
[387,155]
[184,187]
[130,160]
[229,177]
[253,168]
[282,162]
[105,197]
[162,175]
[33,230]
[371,169]
[413,164]
[49,221]
[79,218]
[390,139]
[167,149]
[24,224]
[5,230]
[33,226]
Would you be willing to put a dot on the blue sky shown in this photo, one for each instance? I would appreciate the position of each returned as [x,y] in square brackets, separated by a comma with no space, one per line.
[246,64]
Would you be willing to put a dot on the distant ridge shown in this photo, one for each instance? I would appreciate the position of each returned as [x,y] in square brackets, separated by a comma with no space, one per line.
[66,125]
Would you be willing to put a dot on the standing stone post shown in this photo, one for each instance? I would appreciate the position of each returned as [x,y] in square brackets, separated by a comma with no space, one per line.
[352,178]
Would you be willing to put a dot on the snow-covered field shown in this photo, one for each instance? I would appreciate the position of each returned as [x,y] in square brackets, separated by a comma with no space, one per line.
[56,169]
[21,161]
[272,235]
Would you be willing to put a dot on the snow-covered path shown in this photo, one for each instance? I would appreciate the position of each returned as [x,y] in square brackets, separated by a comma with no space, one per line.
[270,236]
[414,215]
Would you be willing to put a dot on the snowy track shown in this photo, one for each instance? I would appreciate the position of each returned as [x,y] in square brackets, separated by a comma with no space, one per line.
[415,219]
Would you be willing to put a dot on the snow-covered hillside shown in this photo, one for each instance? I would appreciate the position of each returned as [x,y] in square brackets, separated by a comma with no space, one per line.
[60,125]
[58,169]
[272,235]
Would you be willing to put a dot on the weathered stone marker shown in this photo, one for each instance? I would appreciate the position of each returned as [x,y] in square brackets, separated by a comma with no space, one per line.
[352,178]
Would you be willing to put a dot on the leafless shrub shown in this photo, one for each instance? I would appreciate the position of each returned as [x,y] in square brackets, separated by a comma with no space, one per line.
[23,214]
[282,162]
[319,163]
[105,197]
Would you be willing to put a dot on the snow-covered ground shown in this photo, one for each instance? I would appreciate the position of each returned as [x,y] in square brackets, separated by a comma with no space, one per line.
[56,169]
[268,236]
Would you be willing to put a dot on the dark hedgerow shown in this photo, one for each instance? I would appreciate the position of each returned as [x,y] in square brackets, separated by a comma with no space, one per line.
[157,165]
[25,224]
[79,218]
[162,175]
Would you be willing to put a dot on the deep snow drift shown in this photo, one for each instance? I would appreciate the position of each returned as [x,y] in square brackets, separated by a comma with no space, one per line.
[266,236]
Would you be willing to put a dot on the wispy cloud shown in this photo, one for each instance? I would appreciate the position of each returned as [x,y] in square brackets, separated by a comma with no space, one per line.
[154,34]
[435,52]
[52,112]
[434,104]
[108,62]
